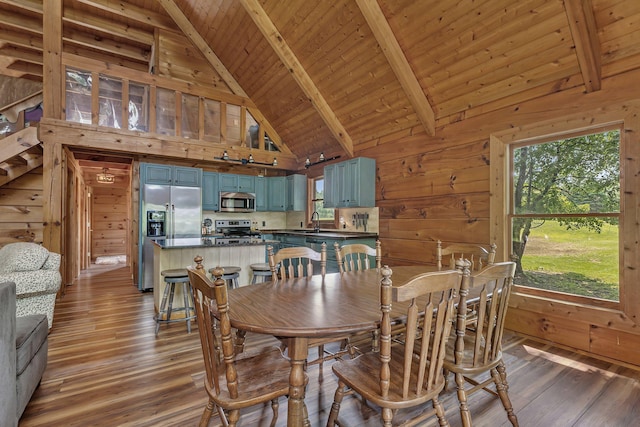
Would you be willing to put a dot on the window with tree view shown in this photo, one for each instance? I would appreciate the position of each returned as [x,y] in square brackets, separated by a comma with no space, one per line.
[317,201]
[565,214]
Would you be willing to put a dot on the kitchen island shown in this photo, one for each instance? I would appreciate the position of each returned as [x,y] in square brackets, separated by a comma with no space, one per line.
[179,253]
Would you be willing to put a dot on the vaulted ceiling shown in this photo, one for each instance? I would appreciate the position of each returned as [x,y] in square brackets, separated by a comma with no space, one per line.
[336,76]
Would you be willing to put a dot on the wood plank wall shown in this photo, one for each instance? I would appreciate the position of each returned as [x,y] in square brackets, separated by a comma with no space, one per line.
[110,221]
[21,209]
[431,188]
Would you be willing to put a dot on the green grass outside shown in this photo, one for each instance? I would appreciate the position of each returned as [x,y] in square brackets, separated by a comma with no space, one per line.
[580,262]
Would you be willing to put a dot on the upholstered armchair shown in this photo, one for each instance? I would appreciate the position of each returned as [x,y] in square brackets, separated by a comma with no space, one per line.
[35,271]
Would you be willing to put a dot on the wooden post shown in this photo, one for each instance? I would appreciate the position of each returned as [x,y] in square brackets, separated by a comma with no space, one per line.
[52,76]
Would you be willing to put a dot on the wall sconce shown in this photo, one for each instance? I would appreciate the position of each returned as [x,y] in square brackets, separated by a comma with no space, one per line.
[321,159]
[250,160]
[105,177]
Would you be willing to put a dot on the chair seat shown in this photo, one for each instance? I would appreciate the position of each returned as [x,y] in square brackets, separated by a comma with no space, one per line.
[357,374]
[267,362]
[228,270]
[260,266]
[174,273]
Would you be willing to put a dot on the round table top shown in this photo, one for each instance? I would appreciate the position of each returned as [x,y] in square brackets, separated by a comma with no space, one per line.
[313,306]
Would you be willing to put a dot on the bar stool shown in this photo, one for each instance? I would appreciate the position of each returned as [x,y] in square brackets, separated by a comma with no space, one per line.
[171,278]
[261,269]
[231,274]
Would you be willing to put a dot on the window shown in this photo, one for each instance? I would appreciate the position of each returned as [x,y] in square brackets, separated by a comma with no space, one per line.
[564,214]
[327,215]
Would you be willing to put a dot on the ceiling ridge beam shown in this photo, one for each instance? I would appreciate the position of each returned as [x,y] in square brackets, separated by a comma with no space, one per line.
[582,24]
[201,44]
[399,64]
[300,75]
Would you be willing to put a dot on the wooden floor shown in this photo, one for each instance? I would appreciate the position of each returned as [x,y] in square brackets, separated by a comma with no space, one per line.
[107,368]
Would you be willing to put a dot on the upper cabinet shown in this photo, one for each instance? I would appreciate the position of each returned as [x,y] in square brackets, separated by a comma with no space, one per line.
[296,192]
[350,184]
[277,194]
[261,194]
[171,175]
[210,191]
[235,183]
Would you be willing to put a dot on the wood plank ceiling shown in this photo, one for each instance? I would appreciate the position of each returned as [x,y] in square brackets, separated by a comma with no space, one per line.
[334,76]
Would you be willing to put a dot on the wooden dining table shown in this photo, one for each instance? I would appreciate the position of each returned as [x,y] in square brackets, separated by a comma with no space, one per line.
[300,309]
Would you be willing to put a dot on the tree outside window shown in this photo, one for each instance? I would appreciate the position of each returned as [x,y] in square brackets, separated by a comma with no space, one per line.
[565,214]
[317,201]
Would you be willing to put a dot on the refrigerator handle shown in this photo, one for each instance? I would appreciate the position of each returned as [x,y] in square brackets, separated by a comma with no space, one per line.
[173,220]
[167,218]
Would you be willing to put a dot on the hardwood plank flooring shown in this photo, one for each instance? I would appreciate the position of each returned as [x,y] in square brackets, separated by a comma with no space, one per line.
[107,368]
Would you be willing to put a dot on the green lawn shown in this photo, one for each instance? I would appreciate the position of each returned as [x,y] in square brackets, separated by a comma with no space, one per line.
[581,262]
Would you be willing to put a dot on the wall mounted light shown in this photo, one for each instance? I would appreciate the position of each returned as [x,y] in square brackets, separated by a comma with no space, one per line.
[321,159]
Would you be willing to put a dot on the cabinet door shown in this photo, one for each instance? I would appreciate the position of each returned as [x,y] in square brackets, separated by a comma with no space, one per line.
[210,192]
[158,174]
[343,181]
[277,191]
[330,187]
[247,183]
[361,183]
[187,177]
[261,194]
[228,182]
[296,192]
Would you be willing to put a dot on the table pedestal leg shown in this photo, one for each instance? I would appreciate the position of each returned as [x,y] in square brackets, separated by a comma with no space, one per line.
[296,412]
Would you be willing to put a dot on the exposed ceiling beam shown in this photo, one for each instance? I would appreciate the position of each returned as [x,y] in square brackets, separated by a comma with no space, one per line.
[107,26]
[119,49]
[585,38]
[130,11]
[21,22]
[286,55]
[393,52]
[26,68]
[201,44]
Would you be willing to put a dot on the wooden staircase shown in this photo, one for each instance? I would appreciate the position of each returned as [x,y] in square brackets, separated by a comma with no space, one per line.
[20,153]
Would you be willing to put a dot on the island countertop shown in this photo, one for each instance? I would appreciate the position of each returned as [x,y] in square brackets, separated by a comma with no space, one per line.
[329,234]
[206,242]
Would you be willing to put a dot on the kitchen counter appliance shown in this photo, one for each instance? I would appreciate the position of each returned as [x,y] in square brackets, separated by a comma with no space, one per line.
[234,231]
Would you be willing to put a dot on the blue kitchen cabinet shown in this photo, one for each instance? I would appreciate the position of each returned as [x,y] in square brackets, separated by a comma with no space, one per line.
[261,194]
[171,175]
[277,194]
[296,192]
[350,184]
[210,191]
[237,183]
[247,183]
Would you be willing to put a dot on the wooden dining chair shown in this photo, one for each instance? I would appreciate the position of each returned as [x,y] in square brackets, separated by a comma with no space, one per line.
[296,261]
[477,347]
[409,374]
[357,256]
[479,255]
[233,381]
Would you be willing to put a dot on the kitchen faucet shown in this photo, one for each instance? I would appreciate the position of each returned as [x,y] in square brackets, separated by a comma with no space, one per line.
[315,219]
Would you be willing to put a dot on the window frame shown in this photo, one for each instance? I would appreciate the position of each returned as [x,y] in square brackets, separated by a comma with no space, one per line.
[628,119]
[511,212]
[311,191]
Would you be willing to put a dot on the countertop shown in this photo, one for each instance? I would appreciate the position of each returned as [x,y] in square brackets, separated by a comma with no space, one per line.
[205,242]
[329,234]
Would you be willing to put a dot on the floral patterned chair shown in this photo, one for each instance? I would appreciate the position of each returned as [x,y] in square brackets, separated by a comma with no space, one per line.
[35,271]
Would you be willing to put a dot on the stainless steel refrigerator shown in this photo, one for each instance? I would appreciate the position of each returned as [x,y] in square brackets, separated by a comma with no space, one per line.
[182,207]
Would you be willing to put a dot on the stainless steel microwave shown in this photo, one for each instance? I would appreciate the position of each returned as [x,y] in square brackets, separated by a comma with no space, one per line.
[237,202]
